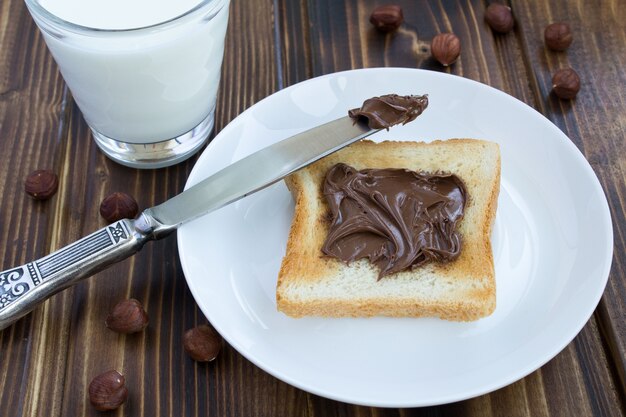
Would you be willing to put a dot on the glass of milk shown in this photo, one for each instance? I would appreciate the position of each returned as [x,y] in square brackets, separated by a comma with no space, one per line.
[144,73]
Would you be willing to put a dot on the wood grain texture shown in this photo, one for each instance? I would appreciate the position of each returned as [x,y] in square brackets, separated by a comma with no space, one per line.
[56,351]
[28,143]
[63,344]
[596,123]
[587,377]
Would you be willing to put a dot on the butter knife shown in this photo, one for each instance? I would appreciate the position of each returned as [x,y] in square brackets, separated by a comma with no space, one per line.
[23,287]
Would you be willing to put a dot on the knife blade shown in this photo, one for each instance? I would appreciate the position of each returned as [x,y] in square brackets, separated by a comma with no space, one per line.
[259,170]
[23,287]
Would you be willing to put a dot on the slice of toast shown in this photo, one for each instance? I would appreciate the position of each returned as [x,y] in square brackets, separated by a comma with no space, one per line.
[310,283]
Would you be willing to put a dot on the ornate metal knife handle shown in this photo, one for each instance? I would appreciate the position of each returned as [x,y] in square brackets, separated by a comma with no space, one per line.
[22,288]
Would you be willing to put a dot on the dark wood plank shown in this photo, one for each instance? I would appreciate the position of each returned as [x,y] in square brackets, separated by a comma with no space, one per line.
[56,350]
[29,134]
[595,122]
[581,380]
[68,344]
[250,68]
[164,380]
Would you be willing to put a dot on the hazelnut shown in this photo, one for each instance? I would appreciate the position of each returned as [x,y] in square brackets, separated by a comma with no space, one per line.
[127,316]
[202,343]
[107,391]
[565,83]
[446,48]
[558,36]
[499,17]
[117,206]
[387,18]
[41,184]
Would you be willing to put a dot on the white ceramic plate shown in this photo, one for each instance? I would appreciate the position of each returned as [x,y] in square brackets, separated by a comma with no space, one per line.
[552,245]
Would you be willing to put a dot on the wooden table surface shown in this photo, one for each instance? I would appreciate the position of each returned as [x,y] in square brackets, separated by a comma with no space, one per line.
[50,356]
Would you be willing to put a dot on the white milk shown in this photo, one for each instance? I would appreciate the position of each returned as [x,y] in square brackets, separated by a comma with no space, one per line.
[117,14]
[139,86]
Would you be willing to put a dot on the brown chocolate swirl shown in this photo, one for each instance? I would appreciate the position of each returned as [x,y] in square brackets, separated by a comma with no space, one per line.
[396,218]
[389,110]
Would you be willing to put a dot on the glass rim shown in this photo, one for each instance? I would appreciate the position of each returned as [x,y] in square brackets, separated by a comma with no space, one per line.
[55,20]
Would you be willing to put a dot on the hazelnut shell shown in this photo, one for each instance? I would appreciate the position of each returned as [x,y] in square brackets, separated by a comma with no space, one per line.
[128,316]
[499,17]
[108,391]
[558,36]
[387,18]
[566,83]
[446,48]
[202,343]
[41,184]
[117,206]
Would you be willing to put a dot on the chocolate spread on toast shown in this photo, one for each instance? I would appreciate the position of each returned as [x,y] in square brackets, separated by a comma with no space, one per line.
[389,110]
[396,218]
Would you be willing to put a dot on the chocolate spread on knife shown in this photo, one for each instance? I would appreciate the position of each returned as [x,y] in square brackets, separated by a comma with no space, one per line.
[396,218]
[389,110]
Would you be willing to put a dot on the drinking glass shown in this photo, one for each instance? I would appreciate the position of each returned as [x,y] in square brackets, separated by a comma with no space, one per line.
[147,93]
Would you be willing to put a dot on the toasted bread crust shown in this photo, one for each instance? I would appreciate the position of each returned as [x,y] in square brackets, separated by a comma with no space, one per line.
[310,283]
